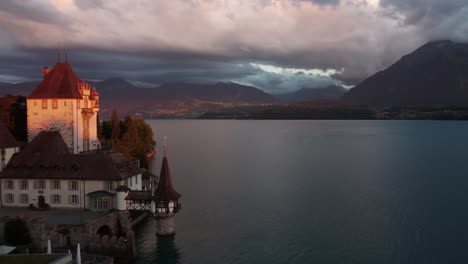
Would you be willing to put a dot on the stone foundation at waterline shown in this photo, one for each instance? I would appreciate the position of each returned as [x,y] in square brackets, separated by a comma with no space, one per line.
[165,226]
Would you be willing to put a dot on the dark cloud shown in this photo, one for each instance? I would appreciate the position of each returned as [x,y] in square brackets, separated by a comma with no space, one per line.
[151,42]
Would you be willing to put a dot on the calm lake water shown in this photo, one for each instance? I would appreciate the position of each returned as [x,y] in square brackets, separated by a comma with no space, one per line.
[314,192]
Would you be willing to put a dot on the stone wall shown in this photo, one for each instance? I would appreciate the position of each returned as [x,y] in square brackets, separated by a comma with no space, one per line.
[66,236]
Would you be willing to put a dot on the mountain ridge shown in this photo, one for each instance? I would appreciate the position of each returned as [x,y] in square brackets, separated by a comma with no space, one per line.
[434,74]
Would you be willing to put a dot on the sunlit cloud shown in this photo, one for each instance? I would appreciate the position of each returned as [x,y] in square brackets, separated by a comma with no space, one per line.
[281,70]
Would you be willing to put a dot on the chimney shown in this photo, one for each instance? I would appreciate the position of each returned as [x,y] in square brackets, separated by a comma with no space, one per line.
[45,71]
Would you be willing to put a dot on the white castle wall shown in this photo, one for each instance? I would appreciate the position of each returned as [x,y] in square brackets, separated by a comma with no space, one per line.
[61,119]
[67,118]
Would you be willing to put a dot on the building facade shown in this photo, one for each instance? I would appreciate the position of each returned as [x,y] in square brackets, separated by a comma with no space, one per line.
[64,103]
[61,166]
[46,174]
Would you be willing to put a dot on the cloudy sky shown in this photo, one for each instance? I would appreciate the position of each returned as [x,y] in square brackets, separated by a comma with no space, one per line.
[275,45]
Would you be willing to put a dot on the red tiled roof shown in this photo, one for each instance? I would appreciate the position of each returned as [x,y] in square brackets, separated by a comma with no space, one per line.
[7,140]
[60,82]
[165,191]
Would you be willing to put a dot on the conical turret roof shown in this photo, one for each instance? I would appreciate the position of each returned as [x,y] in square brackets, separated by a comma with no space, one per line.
[165,191]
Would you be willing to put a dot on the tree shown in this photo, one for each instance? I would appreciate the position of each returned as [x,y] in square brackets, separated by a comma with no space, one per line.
[145,132]
[131,143]
[137,138]
[115,137]
[99,128]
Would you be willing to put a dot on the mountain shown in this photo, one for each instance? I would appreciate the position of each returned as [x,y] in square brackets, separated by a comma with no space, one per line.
[17,88]
[434,74]
[176,99]
[332,92]
[166,100]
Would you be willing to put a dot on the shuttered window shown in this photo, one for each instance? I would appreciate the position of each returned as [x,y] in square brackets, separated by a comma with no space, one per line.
[9,198]
[55,199]
[9,185]
[73,199]
[55,184]
[23,184]
[24,199]
[73,186]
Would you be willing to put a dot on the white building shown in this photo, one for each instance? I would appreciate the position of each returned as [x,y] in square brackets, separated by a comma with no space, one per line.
[67,104]
[60,166]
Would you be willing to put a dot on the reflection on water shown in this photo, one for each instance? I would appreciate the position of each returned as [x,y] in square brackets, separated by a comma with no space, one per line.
[274,192]
[166,251]
[155,249]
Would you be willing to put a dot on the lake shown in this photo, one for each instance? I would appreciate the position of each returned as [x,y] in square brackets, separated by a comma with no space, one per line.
[314,192]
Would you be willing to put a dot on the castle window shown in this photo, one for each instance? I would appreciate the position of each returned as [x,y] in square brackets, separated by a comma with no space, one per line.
[9,185]
[74,199]
[136,179]
[54,104]
[65,103]
[73,186]
[100,203]
[24,185]
[44,104]
[35,103]
[55,184]
[42,184]
[24,199]
[108,185]
[55,198]
[86,103]
[9,198]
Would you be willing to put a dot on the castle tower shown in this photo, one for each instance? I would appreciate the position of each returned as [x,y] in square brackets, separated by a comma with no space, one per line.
[165,202]
[64,103]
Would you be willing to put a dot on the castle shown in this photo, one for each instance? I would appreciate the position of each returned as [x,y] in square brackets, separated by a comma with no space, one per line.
[61,166]
[64,103]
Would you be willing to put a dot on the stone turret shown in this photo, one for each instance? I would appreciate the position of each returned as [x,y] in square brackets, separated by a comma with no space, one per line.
[165,203]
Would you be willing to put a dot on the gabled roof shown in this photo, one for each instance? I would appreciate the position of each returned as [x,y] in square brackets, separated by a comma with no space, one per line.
[7,140]
[48,157]
[165,191]
[60,82]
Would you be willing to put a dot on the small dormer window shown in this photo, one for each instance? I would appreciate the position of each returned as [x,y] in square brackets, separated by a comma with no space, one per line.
[54,104]
[44,104]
